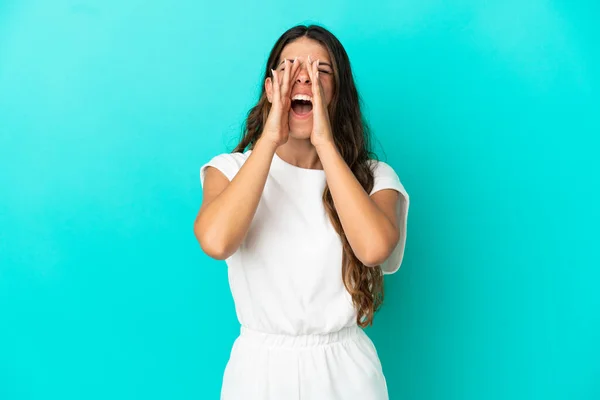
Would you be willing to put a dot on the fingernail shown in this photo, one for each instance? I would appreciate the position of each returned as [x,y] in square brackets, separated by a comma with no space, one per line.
[272,72]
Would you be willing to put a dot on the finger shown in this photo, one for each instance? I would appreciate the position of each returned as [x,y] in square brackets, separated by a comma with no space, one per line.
[315,82]
[314,78]
[317,75]
[294,72]
[318,79]
[309,68]
[276,88]
[285,85]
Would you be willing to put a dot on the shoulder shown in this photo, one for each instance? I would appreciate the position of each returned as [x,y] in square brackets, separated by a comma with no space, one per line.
[382,170]
[228,163]
[232,158]
[385,177]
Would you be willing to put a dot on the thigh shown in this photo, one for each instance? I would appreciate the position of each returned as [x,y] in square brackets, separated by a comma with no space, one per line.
[256,372]
[346,371]
[241,373]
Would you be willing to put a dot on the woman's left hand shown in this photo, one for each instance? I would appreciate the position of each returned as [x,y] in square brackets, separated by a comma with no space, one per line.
[321,132]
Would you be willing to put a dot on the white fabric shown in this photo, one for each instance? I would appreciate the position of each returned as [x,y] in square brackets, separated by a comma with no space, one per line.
[286,281]
[341,365]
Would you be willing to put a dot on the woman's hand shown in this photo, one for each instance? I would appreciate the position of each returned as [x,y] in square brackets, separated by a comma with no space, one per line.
[321,133]
[277,126]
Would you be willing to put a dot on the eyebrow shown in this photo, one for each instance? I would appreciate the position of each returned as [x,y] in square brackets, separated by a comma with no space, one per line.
[320,63]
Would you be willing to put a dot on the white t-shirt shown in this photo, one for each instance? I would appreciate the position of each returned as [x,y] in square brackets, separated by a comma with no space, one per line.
[286,276]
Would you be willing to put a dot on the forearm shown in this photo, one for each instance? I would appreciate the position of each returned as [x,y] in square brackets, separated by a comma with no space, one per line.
[366,227]
[226,220]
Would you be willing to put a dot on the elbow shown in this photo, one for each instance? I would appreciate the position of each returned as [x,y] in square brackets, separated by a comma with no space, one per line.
[374,260]
[375,256]
[214,252]
[209,244]
[379,250]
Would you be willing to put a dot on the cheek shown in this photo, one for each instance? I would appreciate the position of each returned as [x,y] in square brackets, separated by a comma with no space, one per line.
[327,90]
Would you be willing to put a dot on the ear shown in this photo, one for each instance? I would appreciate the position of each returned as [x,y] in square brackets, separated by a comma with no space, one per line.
[269,89]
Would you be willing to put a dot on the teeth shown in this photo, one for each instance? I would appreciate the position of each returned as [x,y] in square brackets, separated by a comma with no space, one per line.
[302,97]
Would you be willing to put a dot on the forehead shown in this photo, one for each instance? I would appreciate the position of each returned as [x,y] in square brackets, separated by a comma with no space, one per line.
[303,47]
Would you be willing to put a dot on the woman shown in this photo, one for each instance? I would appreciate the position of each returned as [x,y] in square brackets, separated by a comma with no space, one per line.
[307,224]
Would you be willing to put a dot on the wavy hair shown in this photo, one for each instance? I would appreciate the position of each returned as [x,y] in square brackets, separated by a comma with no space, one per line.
[351,136]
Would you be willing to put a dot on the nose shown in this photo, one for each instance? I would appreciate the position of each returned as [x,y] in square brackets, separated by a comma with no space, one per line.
[303,76]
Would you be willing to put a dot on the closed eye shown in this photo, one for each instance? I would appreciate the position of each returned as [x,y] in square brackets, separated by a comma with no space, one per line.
[321,71]
[283,65]
[292,61]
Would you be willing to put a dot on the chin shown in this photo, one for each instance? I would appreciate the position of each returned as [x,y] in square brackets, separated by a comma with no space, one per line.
[301,129]
[303,134]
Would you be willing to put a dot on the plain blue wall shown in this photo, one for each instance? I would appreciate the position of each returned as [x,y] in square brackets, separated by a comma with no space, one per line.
[488,111]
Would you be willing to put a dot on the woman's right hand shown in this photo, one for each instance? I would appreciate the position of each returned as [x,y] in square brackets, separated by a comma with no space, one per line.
[277,127]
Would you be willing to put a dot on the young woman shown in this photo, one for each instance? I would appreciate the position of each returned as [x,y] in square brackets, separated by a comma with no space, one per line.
[308,224]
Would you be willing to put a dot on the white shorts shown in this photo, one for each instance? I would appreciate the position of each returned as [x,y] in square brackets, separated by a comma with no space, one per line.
[341,365]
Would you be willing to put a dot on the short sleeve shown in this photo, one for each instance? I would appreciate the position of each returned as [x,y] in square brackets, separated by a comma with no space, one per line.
[225,163]
[386,178]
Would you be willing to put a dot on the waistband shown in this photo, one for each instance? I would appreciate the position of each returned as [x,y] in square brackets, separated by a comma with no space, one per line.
[283,340]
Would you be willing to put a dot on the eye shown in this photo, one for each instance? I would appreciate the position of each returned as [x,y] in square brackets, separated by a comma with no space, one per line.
[324,71]
[283,65]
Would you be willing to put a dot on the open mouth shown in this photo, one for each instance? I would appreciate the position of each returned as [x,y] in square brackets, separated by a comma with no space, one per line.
[302,107]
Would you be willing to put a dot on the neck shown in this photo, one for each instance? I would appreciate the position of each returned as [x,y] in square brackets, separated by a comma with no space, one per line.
[301,153]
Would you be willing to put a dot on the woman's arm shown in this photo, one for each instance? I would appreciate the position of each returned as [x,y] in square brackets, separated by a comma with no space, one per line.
[229,207]
[370,223]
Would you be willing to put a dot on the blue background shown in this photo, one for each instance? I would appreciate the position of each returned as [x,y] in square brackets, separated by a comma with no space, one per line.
[487,110]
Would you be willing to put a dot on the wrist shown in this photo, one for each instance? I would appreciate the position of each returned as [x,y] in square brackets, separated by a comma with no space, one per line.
[326,146]
[267,144]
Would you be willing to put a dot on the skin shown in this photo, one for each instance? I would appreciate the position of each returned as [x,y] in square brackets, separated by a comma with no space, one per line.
[369,222]
[299,149]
